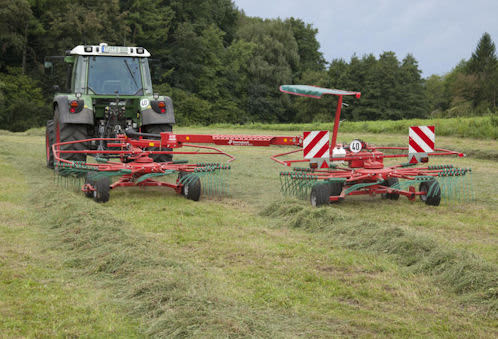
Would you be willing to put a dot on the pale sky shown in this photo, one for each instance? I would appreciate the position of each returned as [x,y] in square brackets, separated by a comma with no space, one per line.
[438,33]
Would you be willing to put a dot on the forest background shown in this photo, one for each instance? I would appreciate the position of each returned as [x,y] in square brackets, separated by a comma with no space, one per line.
[221,66]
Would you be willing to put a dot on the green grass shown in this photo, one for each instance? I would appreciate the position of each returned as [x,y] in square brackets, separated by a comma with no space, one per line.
[150,262]
[485,127]
[38,297]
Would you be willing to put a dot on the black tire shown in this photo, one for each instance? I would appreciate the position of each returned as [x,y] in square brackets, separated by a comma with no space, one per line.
[389,183]
[89,180]
[157,129]
[102,189]
[71,132]
[192,190]
[433,192]
[335,188]
[49,141]
[320,194]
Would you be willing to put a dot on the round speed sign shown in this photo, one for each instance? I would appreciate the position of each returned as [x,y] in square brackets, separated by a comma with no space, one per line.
[355,146]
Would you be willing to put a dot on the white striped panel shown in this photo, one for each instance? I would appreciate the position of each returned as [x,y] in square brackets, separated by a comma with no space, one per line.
[312,153]
[428,132]
[414,136]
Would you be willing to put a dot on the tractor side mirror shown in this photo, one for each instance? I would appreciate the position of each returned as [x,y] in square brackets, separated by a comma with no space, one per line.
[48,64]
[56,88]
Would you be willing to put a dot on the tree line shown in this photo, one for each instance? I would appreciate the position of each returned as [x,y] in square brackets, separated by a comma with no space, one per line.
[220,65]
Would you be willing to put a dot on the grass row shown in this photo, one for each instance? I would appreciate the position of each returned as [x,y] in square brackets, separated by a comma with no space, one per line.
[473,127]
[464,273]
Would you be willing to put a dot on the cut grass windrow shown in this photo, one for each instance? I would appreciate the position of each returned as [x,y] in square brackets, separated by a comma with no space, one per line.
[464,273]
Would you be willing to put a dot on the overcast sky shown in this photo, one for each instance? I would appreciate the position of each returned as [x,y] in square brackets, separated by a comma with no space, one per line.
[438,33]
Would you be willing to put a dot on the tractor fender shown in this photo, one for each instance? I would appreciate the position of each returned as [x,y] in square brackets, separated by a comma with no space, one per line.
[66,117]
[150,117]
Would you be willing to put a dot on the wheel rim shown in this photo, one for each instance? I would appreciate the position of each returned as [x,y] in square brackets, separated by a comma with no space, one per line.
[423,197]
[185,190]
[313,200]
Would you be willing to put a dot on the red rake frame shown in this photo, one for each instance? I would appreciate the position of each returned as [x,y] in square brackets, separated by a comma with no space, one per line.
[365,173]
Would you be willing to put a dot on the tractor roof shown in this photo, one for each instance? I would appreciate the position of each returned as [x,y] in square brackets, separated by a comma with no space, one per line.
[104,50]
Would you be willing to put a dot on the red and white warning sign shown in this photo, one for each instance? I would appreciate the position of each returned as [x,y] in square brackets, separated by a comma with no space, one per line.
[421,139]
[316,144]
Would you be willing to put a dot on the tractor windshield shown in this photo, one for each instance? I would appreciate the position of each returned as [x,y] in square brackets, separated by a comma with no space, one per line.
[115,75]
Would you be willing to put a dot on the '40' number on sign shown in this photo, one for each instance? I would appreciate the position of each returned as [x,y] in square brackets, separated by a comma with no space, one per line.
[355,146]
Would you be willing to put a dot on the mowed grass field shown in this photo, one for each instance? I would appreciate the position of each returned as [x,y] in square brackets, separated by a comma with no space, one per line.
[151,263]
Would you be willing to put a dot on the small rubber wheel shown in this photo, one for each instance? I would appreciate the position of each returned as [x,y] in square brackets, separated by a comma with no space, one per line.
[390,182]
[320,194]
[192,190]
[432,191]
[102,189]
[335,188]
[89,180]
[49,141]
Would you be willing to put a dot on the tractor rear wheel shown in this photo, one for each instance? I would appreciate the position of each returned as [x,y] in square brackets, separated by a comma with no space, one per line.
[70,132]
[157,129]
[432,191]
[102,189]
[49,141]
[192,189]
[320,194]
[390,182]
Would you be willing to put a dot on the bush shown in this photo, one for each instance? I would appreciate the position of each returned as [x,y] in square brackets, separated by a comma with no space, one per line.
[21,102]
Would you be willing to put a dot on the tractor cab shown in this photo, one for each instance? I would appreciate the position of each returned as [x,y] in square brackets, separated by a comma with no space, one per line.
[110,70]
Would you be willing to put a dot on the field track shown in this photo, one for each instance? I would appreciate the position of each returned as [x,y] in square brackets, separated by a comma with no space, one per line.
[150,262]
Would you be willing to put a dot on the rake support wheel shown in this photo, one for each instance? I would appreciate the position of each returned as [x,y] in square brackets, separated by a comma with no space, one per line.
[432,191]
[192,189]
[389,183]
[102,189]
[320,194]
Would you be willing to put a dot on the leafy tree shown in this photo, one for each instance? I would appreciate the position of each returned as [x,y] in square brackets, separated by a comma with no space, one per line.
[22,105]
[484,65]
[310,58]
[412,100]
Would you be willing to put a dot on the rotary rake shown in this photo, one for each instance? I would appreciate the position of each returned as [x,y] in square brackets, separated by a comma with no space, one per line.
[136,168]
[339,170]
[335,170]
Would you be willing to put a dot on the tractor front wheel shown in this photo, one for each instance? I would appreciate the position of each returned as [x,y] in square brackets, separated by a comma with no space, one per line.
[320,194]
[192,189]
[432,192]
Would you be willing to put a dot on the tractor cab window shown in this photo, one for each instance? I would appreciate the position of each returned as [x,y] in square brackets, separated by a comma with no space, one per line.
[115,75]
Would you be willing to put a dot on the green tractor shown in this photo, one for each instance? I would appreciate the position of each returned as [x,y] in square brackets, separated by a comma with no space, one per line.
[109,90]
